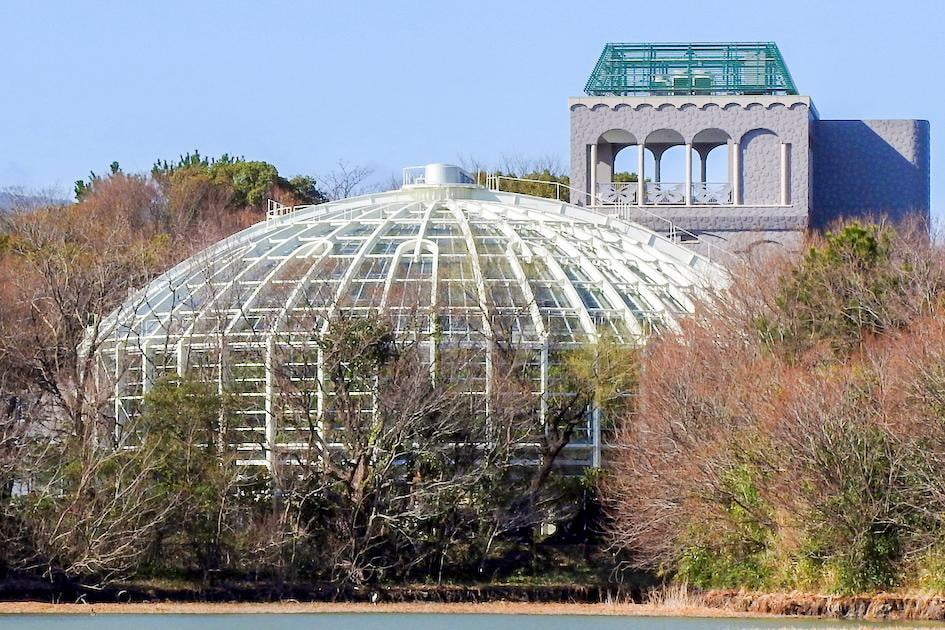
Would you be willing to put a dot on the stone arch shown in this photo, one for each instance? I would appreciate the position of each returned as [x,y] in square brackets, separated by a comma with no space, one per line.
[613,143]
[617,136]
[712,142]
[660,143]
[668,137]
[608,145]
[760,168]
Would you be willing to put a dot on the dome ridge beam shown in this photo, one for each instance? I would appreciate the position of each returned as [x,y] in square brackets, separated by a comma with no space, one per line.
[185,274]
[459,212]
[362,252]
[299,289]
[517,269]
[423,227]
[250,301]
[577,304]
[526,287]
[463,221]
[418,244]
[612,293]
[300,228]
[214,301]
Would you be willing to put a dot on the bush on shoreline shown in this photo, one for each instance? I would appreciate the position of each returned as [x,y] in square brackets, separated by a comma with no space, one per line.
[84,500]
[792,435]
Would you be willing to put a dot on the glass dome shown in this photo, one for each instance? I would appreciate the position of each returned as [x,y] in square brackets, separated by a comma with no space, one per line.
[458,261]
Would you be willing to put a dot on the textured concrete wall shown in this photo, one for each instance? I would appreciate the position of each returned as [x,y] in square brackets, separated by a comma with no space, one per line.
[737,230]
[870,167]
[783,119]
[760,168]
[759,243]
[721,218]
[787,116]
[836,169]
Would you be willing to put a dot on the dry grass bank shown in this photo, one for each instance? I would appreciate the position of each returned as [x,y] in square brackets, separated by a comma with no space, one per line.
[880,606]
[674,601]
[504,608]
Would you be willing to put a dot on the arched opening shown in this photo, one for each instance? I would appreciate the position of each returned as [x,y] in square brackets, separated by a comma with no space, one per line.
[664,167]
[712,172]
[610,180]
[715,164]
[625,164]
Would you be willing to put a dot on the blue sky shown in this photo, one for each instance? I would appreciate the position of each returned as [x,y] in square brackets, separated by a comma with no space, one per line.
[391,84]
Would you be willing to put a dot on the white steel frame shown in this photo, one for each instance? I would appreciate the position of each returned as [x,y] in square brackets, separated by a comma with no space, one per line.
[560,273]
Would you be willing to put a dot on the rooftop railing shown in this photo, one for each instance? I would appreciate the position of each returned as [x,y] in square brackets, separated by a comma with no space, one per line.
[677,69]
[663,194]
[625,211]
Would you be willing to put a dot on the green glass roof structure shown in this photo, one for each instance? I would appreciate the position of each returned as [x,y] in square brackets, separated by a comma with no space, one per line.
[677,69]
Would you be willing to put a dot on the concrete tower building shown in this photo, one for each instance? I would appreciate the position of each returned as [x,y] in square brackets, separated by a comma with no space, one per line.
[751,160]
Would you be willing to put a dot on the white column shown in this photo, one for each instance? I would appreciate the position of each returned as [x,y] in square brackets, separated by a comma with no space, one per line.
[543,403]
[688,174]
[641,185]
[119,391]
[269,396]
[785,174]
[595,427]
[181,358]
[594,174]
[736,175]
[221,381]
[147,370]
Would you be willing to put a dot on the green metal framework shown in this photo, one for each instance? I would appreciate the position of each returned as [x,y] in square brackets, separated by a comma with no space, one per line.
[690,68]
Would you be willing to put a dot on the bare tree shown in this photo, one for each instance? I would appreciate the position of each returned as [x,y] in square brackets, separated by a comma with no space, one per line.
[346,180]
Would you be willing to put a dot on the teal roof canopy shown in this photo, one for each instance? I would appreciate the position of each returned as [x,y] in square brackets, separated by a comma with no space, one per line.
[676,69]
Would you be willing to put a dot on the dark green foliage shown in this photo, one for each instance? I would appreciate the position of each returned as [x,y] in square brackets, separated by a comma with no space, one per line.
[83,187]
[625,177]
[305,189]
[250,182]
[863,490]
[185,423]
[730,552]
[846,288]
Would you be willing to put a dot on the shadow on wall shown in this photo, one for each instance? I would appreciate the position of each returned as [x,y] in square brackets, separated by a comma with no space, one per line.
[870,168]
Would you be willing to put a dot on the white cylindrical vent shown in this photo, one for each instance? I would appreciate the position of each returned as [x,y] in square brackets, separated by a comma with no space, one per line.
[437,174]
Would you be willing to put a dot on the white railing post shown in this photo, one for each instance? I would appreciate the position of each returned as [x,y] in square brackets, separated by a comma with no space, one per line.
[688,196]
[641,185]
[785,174]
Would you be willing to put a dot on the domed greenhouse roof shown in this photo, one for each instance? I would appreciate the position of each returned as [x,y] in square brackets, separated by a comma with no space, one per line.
[456,260]
[542,267]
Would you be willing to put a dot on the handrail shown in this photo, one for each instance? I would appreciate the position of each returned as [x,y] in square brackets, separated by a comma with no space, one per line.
[493,182]
[622,210]
[558,185]
[274,209]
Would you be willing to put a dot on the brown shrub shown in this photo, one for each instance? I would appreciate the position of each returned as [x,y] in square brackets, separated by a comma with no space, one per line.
[791,433]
